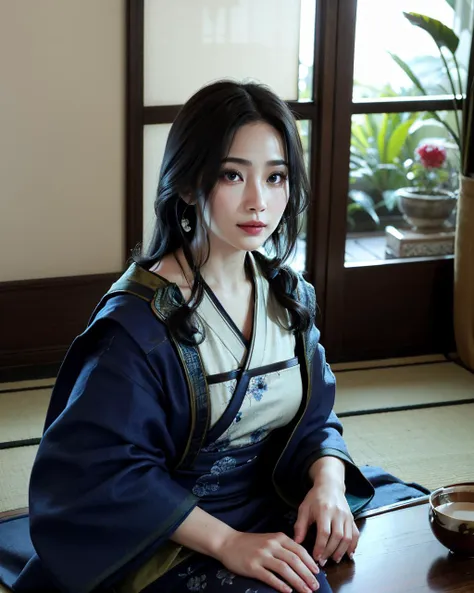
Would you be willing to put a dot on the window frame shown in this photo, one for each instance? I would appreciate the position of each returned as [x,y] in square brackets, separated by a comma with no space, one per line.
[330,114]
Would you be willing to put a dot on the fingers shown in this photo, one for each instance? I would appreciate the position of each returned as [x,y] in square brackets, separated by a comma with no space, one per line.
[303,555]
[299,567]
[355,540]
[262,574]
[285,570]
[341,544]
[336,538]
[322,536]
[301,525]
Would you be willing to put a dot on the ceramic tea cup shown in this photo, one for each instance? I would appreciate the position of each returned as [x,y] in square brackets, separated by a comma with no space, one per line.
[452,517]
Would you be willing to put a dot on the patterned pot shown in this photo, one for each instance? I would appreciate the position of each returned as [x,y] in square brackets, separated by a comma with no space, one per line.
[424,211]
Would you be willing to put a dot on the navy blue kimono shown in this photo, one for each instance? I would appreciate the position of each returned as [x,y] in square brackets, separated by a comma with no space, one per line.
[125,455]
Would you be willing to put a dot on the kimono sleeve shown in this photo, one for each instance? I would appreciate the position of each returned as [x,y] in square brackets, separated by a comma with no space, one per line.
[320,434]
[101,495]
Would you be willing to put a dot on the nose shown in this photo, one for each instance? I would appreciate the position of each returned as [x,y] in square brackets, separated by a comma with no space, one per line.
[255,200]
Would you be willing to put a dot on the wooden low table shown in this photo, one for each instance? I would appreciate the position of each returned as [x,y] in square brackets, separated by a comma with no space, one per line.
[397,553]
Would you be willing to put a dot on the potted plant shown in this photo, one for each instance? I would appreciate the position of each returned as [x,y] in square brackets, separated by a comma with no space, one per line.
[446,39]
[447,43]
[428,202]
[381,143]
[381,147]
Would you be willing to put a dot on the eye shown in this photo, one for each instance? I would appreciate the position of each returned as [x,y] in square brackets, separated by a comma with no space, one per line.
[278,178]
[230,175]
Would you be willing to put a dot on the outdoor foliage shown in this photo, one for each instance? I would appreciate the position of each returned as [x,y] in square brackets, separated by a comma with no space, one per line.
[384,147]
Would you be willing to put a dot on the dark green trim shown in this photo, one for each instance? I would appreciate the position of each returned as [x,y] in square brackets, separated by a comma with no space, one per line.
[139,282]
[325,452]
[331,452]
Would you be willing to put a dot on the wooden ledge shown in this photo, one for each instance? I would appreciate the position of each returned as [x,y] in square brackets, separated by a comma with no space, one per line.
[13,513]
[406,504]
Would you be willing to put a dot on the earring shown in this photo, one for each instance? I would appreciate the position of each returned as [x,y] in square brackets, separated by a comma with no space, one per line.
[281,228]
[185,224]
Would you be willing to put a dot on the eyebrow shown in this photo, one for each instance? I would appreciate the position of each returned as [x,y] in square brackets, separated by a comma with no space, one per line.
[273,163]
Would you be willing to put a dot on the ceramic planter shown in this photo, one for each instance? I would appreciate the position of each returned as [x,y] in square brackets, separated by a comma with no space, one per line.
[425,211]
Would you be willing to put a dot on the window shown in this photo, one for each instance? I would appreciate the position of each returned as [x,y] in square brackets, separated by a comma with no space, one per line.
[398,68]
[271,42]
[382,31]
[353,119]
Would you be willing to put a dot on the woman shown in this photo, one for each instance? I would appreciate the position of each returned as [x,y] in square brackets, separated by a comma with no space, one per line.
[191,423]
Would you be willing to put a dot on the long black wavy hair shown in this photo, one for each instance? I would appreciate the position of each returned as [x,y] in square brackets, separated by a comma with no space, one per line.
[199,139]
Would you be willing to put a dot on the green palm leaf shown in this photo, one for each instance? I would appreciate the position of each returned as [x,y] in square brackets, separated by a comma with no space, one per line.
[359,136]
[371,125]
[409,72]
[442,35]
[364,202]
[395,121]
[381,144]
[397,140]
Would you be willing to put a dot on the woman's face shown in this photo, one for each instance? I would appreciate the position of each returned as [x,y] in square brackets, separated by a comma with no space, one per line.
[252,191]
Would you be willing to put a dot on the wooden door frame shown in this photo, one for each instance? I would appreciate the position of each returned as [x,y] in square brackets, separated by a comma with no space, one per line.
[395,288]
[319,112]
[330,114]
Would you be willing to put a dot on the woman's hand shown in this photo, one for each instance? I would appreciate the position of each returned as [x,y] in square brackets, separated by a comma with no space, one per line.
[267,556]
[326,505]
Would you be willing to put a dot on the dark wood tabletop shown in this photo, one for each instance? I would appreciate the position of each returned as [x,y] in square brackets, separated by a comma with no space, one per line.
[397,553]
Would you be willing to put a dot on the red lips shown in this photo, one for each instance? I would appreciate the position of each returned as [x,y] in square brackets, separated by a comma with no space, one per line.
[253,223]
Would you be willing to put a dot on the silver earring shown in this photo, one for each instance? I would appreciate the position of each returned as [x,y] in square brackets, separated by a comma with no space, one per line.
[185,224]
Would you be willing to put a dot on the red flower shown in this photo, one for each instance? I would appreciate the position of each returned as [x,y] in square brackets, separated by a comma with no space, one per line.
[432,156]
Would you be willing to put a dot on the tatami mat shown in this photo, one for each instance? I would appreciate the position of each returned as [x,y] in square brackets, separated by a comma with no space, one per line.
[342,366]
[15,469]
[384,388]
[23,412]
[433,447]
[34,384]
[388,362]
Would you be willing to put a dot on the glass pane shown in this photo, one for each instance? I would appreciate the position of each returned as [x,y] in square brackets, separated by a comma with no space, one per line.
[154,142]
[191,42]
[304,128]
[393,151]
[382,30]
[305,73]
[298,259]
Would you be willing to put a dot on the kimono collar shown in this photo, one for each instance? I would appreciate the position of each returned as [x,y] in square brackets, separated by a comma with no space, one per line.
[164,296]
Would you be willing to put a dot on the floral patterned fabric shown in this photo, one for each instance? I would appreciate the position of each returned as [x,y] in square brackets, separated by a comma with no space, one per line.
[209,483]
[268,390]
[210,577]
[268,398]
[204,574]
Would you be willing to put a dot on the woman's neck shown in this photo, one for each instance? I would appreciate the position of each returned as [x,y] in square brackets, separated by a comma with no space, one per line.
[225,273]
